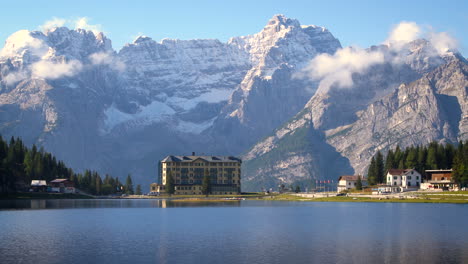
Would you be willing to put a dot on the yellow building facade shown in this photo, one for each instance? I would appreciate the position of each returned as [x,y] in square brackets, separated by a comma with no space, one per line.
[188,173]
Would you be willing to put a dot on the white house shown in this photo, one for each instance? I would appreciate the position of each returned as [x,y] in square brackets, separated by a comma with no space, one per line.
[406,178]
[347,182]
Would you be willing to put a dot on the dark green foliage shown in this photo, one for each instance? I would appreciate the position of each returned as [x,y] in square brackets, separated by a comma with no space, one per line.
[372,173]
[138,190]
[359,183]
[206,183]
[298,189]
[379,167]
[129,185]
[421,158]
[19,165]
[170,187]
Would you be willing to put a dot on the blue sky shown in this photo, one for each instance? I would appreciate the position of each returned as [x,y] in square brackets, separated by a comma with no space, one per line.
[362,23]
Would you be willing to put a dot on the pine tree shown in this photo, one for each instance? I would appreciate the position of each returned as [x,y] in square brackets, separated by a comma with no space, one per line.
[431,161]
[389,160]
[371,172]
[170,188]
[298,189]
[359,183]
[206,183]
[138,190]
[379,167]
[129,185]
[411,158]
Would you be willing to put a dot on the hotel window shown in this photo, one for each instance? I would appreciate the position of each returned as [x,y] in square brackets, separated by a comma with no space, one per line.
[417,177]
[394,177]
[409,177]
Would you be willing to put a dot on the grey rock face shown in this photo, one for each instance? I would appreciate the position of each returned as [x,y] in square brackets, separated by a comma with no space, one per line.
[372,115]
[121,112]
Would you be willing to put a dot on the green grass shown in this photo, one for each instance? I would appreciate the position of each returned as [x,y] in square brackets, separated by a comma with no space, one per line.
[421,199]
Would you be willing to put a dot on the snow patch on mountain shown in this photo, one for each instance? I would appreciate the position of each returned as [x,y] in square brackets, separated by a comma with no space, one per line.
[212,96]
[153,112]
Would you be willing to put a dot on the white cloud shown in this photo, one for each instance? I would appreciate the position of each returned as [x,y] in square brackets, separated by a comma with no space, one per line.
[403,33]
[23,40]
[54,22]
[338,69]
[442,42]
[106,58]
[74,23]
[53,70]
[82,23]
[14,77]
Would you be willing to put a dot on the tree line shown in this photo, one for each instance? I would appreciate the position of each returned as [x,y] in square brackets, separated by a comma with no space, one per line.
[431,157]
[19,165]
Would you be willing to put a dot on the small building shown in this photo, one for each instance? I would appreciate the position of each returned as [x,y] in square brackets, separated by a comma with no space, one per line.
[385,189]
[62,186]
[439,180]
[406,179]
[156,189]
[38,186]
[347,182]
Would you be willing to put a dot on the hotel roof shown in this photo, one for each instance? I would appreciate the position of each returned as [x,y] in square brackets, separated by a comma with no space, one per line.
[205,158]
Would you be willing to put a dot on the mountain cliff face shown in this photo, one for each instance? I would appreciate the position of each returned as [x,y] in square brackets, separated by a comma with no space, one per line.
[368,117]
[121,112]
[269,94]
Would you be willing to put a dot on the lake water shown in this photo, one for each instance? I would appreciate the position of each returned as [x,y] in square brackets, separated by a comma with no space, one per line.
[160,231]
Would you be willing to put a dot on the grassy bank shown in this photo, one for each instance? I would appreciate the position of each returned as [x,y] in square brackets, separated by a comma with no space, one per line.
[458,199]
[29,196]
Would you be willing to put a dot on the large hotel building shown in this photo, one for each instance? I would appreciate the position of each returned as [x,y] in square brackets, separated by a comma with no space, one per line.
[188,173]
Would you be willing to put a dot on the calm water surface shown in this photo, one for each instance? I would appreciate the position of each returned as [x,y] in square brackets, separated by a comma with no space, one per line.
[160,231]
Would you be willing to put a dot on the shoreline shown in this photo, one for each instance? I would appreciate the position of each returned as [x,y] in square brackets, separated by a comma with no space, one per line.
[453,198]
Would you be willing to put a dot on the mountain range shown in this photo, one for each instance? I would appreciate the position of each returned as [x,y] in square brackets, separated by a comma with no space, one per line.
[267,97]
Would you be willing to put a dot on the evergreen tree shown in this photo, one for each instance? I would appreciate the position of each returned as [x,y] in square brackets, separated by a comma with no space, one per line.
[206,188]
[431,161]
[379,167]
[298,189]
[460,168]
[98,184]
[138,190]
[129,185]
[411,158]
[170,188]
[389,161]
[359,183]
[371,172]
[421,166]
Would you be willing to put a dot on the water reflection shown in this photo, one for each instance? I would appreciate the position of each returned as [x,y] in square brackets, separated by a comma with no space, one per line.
[132,231]
[108,203]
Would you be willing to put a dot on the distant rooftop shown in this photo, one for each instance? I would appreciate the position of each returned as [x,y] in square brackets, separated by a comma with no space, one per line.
[351,178]
[205,158]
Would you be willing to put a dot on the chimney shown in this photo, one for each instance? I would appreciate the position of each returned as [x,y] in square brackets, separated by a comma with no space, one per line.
[193,153]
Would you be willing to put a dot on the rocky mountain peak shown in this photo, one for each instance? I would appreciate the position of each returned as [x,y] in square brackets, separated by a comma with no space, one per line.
[280,22]
[141,39]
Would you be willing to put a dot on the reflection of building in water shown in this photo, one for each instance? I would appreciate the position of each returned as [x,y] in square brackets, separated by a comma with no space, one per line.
[38,204]
[188,173]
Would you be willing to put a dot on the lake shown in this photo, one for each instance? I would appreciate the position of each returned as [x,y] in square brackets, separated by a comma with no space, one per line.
[164,231]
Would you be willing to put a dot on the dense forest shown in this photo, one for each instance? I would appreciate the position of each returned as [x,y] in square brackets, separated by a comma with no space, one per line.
[20,164]
[431,157]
